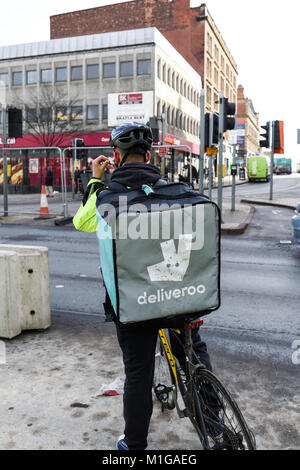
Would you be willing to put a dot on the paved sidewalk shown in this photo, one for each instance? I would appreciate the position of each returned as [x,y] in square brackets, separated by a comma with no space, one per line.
[290,203]
[51,379]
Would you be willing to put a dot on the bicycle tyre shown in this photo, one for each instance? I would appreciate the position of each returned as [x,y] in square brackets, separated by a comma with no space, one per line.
[225,432]
[163,381]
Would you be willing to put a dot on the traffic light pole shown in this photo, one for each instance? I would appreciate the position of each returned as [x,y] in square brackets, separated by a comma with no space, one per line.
[5,184]
[271,130]
[202,141]
[233,179]
[220,165]
[210,164]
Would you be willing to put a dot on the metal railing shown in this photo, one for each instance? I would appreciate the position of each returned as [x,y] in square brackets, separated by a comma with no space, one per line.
[63,173]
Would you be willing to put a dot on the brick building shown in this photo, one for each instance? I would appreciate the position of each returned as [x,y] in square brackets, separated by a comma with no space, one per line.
[191,31]
[248,126]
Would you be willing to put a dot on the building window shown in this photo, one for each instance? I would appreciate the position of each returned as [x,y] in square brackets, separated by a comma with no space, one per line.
[3,79]
[17,78]
[92,71]
[209,43]
[173,80]
[222,84]
[158,108]
[62,113]
[109,70]
[164,73]
[172,117]
[216,102]
[169,77]
[126,68]
[31,77]
[104,111]
[158,68]
[31,115]
[46,76]
[208,96]
[61,74]
[93,112]
[144,67]
[76,113]
[76,72]
[216,78]
[46,114]
[208,68]
[216,54]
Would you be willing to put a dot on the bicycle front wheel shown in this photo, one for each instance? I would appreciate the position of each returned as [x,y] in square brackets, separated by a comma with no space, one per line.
[224,422]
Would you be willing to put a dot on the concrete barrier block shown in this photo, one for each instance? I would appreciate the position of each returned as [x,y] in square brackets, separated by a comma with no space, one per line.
[24,284]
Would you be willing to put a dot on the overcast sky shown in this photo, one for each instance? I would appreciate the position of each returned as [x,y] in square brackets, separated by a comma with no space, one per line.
[262,35]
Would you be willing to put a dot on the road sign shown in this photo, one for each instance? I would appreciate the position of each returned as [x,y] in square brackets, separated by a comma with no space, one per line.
[212,151]
[162,151]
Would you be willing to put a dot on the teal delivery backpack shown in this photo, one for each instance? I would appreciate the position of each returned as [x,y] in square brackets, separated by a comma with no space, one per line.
[159,251]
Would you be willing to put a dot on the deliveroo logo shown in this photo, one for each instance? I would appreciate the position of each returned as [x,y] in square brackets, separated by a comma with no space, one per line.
[175,263]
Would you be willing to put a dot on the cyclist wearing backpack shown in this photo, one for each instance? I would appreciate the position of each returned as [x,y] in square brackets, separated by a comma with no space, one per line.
[132,143]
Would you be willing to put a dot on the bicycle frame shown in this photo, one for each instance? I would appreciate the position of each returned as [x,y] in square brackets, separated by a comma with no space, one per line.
[192,404]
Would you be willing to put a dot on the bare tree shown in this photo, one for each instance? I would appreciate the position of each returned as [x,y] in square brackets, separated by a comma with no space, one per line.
[51,117]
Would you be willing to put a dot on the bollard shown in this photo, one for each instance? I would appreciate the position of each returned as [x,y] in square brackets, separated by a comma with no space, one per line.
[24,287]
[296,224]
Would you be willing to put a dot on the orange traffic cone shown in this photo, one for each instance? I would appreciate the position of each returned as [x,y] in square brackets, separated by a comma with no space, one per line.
[44,209]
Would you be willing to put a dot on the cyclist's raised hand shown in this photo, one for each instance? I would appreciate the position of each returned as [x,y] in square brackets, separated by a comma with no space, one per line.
[99,166]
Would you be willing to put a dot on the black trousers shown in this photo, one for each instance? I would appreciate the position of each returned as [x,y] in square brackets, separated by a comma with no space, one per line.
[138,344]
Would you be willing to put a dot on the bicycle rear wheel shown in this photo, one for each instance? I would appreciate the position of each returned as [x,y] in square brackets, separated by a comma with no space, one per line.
[225,424]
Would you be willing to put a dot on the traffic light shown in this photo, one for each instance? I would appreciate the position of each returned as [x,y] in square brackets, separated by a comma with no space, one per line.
[15,122]
[81,152]
[266,137]
[278,137]
[214,129]
[153,123]
[229,110]
[206,129]
[78,153]
[69,152]
[211,129]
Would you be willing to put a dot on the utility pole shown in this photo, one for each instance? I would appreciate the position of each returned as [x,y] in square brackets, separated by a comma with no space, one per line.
[5,185]
[202,141]
[220,138]
[271,131]
[233,166]
[233,179]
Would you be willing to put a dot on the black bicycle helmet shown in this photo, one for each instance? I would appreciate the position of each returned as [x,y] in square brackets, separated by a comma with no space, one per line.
[131,135]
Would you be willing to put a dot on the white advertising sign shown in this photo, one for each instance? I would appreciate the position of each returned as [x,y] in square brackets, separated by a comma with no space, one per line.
[33,165]
[128,107]
[233,137]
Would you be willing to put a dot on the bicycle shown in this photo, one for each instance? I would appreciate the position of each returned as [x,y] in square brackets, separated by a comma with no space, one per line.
[198,394]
